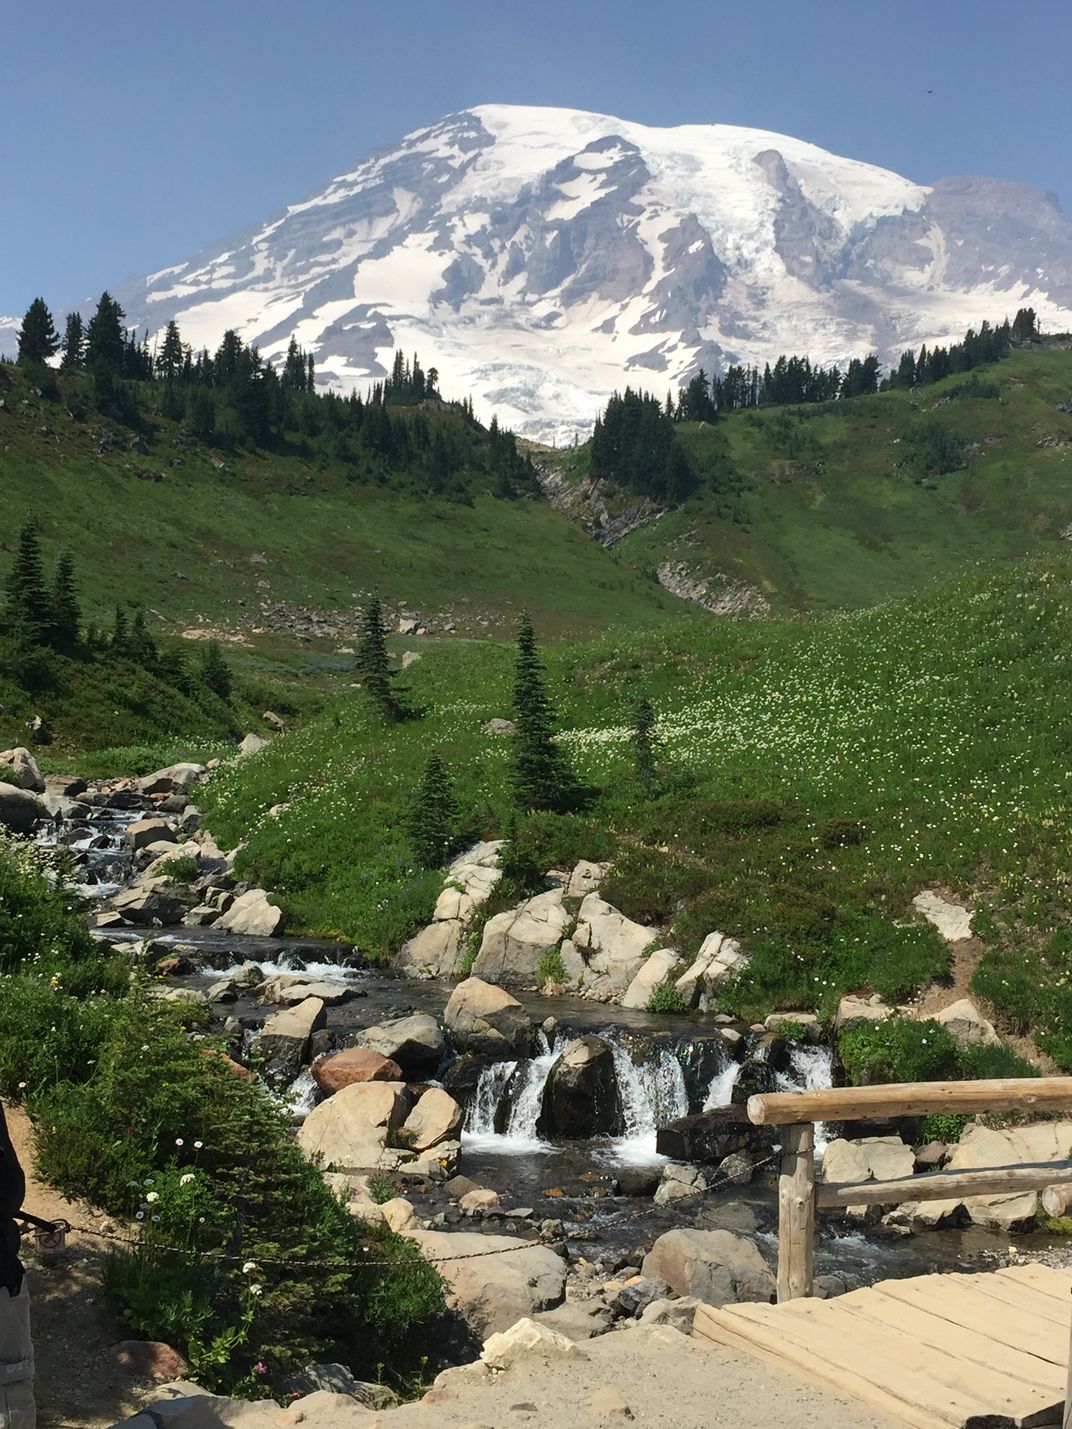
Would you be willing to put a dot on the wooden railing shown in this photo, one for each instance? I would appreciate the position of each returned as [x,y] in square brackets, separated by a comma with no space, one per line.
[799,1197]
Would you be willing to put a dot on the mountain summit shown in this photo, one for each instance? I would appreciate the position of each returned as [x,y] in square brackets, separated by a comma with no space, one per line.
[542,258]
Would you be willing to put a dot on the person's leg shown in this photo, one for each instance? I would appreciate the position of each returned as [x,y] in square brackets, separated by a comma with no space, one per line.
[17,1409]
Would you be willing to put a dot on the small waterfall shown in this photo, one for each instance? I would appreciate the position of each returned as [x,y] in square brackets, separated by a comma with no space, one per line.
[521,1083]
[480,1118]
[652,1094]
[720,1092]
[301,1096]
[811,1070]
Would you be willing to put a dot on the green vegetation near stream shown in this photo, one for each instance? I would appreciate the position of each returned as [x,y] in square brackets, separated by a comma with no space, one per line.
[813,777]
[246,1262]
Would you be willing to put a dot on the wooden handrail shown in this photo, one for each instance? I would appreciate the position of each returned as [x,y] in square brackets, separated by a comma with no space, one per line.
[799,1196]
[911,1099]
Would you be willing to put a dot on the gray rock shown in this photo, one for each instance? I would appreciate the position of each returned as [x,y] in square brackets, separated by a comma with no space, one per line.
[146,832]
[632,1300]
[252,914]
[717,1267]
[252,744]
[25,766]
[680,1183]
[581,1094]
[486,1021]
[658,967]
[19,809]
[493,1292]
[175,779]
[416,1043]
[284,1039]
[513,942]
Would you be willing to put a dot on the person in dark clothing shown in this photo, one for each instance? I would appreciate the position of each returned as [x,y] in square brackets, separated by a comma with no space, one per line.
[12,1192]
[16,1348]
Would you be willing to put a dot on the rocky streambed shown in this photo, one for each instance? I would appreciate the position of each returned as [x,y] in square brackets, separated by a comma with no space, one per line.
[560,1156]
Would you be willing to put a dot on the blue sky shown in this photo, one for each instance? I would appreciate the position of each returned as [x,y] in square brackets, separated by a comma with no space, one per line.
[137,133]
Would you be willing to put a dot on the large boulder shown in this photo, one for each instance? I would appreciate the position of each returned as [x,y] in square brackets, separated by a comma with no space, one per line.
[513,942]
[987,1146]
[436,951]
[252,744]
[348,1132]
[470,880]
[146,832]
[860,1012]
[867,1158]
[613,946]
[967,1024]
[354,1064]
[717,1267]
[719,958]
[157,902]
[284,1039]
[659,966]
[436,1117]
[581,1094]
[416,1043]
[585,878]
[486,1021]
[494,1291]
[175,779]
[252,914]
[19,809]
[25,766]
[709,1135]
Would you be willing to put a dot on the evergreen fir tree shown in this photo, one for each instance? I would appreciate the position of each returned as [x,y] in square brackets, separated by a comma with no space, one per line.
[215,671]
[74,342]
[540,776]
[66,616]
[169,359]
[141,645]
[105,338]
[118,641]
[642,736]
[373,666]
[29,604]
[432,819]
[38,338]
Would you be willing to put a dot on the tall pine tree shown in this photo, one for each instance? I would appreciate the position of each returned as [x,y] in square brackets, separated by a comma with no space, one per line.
[105,338]
[540,776]
[38,338]
[74,342]
[66,615]
[642,735]
[373,665]
[215,671]
[29,603]
[432,818]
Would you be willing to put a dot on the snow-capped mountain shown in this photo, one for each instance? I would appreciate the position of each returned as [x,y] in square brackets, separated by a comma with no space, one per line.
[542,258]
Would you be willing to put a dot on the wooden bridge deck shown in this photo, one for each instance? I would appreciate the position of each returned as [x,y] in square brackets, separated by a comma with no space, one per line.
[972,1351]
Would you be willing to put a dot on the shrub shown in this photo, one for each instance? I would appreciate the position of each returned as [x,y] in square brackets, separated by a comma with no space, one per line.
[550,968]
[981,1062]
[666,998]
[899,1051]
[649,885]
[942,1127]
[181,869]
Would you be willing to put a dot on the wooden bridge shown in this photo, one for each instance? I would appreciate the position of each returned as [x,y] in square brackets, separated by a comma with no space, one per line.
[986,1351]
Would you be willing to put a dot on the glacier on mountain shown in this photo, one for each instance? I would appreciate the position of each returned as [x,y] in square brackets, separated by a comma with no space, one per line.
[544,258]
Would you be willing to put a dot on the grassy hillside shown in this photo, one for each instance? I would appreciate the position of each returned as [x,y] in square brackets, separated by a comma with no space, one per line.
[206,538]
[815,776]
[835,506]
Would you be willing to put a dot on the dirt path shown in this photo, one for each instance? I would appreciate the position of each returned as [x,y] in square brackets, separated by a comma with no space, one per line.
[79,1385]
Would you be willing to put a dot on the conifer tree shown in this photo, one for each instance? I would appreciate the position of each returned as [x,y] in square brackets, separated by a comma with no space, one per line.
[373,666]
[643,742]
[169,359]
[105,339]
[38,338]
[432,819]
[215,671]
[140,643]
[66,615]
[74,341]
[118,641]
[29,604]
[540,776]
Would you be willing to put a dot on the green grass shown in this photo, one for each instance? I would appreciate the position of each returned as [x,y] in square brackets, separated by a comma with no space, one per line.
[835,510]
[814,775]
[184,545]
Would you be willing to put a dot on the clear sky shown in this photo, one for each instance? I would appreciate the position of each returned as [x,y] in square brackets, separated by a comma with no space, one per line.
[136,133]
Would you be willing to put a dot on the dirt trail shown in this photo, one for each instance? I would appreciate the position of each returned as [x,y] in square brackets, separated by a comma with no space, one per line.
[79,1385]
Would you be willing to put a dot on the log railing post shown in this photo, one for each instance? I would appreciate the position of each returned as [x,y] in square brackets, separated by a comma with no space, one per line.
[796,1212]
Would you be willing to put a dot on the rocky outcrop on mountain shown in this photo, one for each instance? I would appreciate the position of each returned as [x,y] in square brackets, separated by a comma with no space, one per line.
[715,592]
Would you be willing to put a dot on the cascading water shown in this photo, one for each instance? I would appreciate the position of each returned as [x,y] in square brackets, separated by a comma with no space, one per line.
[720,1091]
[811,1069]
[652,1094]
[523,1083]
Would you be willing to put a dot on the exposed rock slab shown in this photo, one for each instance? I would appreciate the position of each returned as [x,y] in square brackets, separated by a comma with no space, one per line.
[717,1267]
[416,1043]
[952,920]
[493,1292]
[659,967]
[514,941]
[486,1021]
[348,1132]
